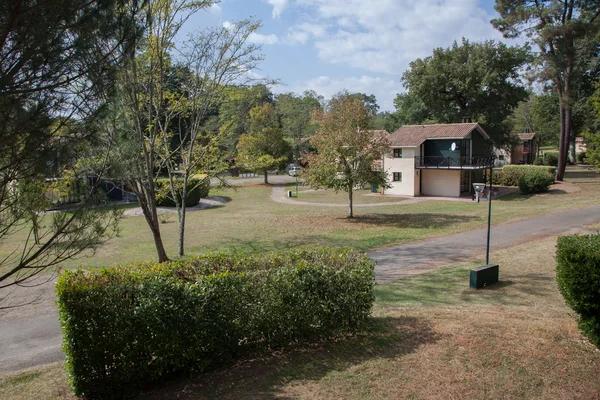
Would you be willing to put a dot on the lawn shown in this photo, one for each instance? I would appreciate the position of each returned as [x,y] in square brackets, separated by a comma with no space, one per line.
[329,196]
[252,222]
[431,338]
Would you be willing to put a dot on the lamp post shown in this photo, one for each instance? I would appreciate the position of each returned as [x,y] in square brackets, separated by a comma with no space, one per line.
[486,274]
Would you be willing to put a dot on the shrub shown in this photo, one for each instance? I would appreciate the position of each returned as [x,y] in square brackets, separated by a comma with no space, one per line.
[581,157]
[497,177]
[198,188]
[578,277]
[511,174]
[538,161]
[536,181]
[551,158]
[128,325]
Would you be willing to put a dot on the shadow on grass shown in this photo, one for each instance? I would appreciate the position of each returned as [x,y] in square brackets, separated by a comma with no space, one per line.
[413,221]
[264,377]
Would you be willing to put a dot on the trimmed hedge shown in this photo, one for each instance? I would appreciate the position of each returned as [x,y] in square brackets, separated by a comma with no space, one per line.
[578,277]
[536,181]
[510,175]
[551,158]
[198,188]
[129,325]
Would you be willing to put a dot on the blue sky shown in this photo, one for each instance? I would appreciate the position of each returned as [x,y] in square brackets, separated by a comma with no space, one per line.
[358,45]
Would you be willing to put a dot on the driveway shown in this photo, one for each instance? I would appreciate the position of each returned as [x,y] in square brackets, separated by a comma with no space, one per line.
[31,336]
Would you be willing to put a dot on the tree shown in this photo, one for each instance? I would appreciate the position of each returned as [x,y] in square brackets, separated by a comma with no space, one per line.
[59,60]
[555,26]
[537,114]
[346,149]
[295,112]
[410,110]
[592,138]
[212,59]
[147,118]
[263,148]
[478,81]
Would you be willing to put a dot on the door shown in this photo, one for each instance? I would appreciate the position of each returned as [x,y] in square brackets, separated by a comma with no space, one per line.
[465,182]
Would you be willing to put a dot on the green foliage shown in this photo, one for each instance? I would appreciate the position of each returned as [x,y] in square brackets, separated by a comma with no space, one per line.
[197,188]
[510,175]
[264,147]
[470,80]
[535,181]
[581,157]
[346,148]
[578,277]
[129,325]
[294,112]
[538,161]
[551,158]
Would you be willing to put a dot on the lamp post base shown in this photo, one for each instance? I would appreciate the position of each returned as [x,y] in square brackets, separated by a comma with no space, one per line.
[484,276]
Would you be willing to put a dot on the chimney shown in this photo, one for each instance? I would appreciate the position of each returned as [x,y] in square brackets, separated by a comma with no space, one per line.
[466,120]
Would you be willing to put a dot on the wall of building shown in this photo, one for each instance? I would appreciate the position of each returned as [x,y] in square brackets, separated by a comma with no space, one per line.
[440,182]
[406,165]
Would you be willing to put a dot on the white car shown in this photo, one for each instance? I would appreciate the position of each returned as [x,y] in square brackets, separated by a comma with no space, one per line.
[293,171]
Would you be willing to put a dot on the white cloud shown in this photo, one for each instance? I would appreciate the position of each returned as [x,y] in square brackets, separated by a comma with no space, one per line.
[385,90]
[259,38]
[278,6]
[215,10]
[383,36]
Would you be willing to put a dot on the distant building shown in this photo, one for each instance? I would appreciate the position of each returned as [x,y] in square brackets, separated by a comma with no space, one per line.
[523,152]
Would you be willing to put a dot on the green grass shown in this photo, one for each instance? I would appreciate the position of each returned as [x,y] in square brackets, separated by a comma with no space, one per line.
[252,222]
[341,198]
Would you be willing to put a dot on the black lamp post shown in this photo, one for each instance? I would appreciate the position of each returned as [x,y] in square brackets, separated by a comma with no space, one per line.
[486,274]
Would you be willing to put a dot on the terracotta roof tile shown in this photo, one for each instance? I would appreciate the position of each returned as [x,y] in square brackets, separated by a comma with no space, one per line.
[415,135]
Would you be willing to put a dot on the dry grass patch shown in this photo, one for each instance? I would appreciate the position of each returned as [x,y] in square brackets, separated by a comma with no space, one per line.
[47,382]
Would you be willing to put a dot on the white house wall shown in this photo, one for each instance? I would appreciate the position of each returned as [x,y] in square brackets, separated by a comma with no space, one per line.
[439,182]
[410,184]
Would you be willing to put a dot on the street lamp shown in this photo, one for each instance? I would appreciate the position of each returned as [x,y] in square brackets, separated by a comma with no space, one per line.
[486,274]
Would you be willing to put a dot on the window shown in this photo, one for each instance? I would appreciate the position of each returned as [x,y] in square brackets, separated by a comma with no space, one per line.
[501,157]
[397,153]
[397,177]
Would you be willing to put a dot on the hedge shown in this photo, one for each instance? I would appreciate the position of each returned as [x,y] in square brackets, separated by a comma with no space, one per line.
[510,175]
[129,325]
[535,181]
[578,277]
[198,188]
[551,158]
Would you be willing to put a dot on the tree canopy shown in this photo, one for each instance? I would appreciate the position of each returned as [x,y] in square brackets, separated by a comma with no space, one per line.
[480,81]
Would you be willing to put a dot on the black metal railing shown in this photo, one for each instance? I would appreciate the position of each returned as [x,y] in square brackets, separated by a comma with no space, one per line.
[484,161]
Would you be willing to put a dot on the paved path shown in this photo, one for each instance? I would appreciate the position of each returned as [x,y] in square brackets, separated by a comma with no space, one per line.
[31,335]
[400,261]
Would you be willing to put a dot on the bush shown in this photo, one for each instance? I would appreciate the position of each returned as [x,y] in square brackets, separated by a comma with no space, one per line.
[578,277]
[536,181]
[129,325]
[538,161]
[198,188]
[551,158]
[498,177]
[581,157]
[511,174]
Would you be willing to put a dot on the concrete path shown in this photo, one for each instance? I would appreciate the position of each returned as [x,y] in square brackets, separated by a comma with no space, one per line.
[400,261]
[31,335]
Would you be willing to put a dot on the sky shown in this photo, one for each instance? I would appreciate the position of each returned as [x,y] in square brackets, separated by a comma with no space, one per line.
[359,45]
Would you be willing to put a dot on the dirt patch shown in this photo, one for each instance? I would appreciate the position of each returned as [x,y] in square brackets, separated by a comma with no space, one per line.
[209,202]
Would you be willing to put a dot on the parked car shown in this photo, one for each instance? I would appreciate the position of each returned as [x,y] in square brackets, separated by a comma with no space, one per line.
[293,171]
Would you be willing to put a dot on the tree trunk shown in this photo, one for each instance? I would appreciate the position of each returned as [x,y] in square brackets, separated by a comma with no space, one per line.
[180,245]
[560,171]
[266,177]
[160,248]
[350,210]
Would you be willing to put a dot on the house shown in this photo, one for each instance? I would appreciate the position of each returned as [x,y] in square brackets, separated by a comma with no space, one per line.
[523,152]
[437,160]
[580,146]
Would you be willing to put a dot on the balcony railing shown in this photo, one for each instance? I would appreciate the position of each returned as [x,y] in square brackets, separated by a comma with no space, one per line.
[472,162]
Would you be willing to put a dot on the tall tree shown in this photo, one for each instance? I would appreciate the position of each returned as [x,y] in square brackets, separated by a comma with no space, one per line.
[214,59]
[263,148]
[147,88]
[346,149]
[480,81]
[554,26]
[295,115]
[58,61]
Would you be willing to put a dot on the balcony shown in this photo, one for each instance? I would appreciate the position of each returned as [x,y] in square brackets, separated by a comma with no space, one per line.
[462,162]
